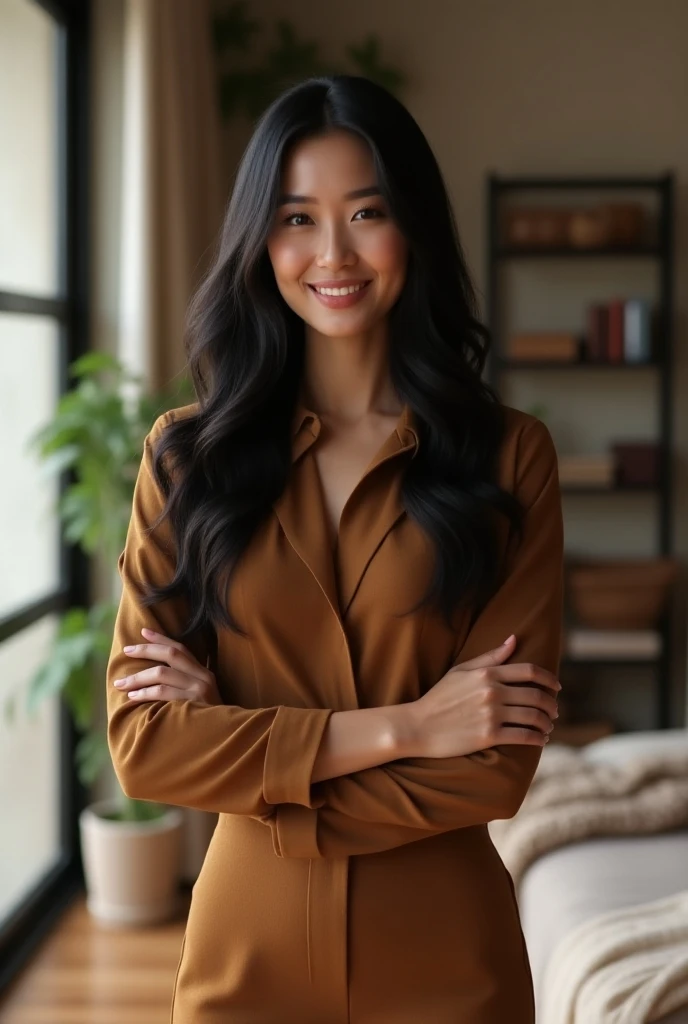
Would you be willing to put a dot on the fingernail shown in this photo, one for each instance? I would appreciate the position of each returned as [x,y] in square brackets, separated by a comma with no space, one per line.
[134,693]
[507,640]
[129,647]
[120,682]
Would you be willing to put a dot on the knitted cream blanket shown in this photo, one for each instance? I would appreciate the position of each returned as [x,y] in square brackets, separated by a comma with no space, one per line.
[572,798]
[627,966]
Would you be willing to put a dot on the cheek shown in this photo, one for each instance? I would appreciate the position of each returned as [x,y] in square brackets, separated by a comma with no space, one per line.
[289,261]
[387,252]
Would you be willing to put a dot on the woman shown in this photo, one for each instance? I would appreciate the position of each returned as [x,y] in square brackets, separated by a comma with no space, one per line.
[326,553]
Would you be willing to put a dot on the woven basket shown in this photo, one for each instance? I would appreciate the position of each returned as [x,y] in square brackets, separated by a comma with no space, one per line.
[616,594]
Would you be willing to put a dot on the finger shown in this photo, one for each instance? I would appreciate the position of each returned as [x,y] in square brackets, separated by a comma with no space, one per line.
[161,638]
[157,674]
[159,692]
[530,696]
[526,671]
[527,716]
[172,653]
[493,657]
[520,735]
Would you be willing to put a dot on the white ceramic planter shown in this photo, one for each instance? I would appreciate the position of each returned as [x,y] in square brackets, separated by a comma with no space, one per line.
[132,869]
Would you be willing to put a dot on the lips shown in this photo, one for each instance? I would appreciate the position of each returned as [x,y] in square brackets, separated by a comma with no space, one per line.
[337,284]
[340,301]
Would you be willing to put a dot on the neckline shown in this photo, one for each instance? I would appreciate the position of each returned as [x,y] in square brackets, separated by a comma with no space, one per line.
[406,422]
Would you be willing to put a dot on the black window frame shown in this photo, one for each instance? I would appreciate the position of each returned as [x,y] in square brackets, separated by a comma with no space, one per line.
[39,910]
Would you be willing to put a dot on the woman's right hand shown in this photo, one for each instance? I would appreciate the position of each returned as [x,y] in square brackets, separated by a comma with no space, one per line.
[479,704]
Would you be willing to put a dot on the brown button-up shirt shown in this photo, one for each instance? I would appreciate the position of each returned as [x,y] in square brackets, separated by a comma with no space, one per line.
[375,896]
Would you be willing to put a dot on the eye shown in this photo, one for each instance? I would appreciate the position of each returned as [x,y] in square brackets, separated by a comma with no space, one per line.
[291,217]
[370,209]
[364,209]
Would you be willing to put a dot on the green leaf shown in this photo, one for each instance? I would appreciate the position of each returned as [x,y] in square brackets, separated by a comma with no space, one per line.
[368,60]
[95,362]
[91,755]
[142,810]
[61,459]
[233,29]
[70,653]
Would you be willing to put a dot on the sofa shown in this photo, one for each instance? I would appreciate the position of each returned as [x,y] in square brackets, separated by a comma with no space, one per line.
[571,884]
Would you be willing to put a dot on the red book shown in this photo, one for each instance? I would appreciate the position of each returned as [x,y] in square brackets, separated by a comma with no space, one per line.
[616,330]
[596,336]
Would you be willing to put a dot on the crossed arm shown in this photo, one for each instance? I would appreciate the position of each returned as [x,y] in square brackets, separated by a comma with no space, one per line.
[259,762]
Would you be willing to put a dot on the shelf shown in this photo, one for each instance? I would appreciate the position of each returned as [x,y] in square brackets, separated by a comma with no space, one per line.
[585,646]
[535,252]
[561,364]
[531,181]
[654,251]
[586,489]
[610,662]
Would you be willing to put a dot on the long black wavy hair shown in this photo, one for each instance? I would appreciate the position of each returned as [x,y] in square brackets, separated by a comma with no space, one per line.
[245,346]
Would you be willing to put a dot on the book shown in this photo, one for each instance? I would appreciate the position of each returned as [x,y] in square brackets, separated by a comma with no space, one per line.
[587,470]
[637,331]
[596,339]
[544,345]
[615,337]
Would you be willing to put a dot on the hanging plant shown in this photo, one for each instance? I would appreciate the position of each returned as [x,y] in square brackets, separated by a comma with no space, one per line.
[250,89]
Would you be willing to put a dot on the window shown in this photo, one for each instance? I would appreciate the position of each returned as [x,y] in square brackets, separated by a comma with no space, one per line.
[43,202]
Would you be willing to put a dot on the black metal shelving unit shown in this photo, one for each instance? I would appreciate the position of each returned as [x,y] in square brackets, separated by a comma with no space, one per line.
[660,251]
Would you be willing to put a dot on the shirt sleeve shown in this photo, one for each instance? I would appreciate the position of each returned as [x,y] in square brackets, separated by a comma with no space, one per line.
[413,798]
[222,758]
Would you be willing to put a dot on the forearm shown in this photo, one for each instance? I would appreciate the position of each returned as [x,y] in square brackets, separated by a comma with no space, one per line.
[387,806]
[365,738]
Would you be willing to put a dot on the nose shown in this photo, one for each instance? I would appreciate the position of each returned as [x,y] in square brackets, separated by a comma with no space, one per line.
[335,250]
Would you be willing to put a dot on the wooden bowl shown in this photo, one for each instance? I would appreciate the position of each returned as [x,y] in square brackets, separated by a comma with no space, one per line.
[527,226]
[590,228]
[620,594]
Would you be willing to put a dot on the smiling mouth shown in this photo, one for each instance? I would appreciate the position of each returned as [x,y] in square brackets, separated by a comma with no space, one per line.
[341,302]
[359,288]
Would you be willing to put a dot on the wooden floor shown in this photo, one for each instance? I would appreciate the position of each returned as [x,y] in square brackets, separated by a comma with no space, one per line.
[86,973]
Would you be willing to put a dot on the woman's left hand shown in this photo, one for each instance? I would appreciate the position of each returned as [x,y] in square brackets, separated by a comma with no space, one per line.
[180,676]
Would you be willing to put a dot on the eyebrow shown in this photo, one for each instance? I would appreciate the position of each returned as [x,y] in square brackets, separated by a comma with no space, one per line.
[358,193]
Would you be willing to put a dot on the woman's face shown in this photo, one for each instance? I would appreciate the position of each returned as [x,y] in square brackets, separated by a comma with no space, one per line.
[324,235]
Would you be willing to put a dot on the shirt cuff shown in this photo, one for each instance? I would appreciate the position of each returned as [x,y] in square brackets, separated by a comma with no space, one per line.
[295,831]
[295,737]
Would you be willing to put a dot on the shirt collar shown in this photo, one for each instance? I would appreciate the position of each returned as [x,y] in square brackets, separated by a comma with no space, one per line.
[406,425]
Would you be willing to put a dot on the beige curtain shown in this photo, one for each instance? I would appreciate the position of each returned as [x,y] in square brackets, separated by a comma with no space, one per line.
[172,196]
[173,187]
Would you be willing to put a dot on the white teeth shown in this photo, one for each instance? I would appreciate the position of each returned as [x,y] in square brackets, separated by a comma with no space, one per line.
[340,291]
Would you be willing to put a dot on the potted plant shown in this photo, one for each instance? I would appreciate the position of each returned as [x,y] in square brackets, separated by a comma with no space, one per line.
[131,849]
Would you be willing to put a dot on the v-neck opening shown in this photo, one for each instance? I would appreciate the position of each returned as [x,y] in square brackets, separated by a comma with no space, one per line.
[375,459]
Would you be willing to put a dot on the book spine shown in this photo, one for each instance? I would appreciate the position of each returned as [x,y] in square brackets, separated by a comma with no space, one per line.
[637,328]
[593,341]
[616,332]
[645,330]
[604,332]
[632,342]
